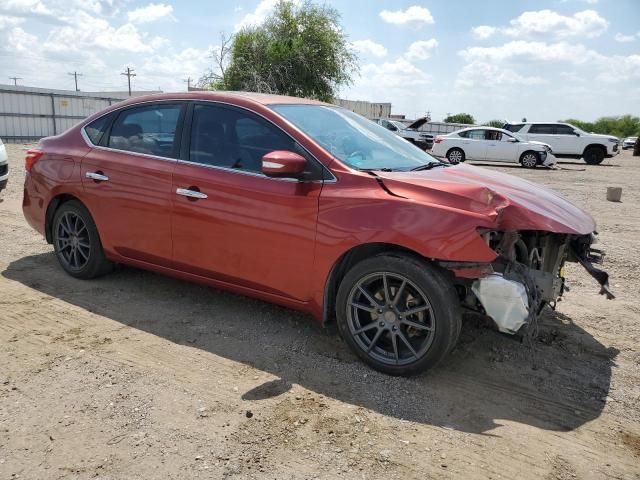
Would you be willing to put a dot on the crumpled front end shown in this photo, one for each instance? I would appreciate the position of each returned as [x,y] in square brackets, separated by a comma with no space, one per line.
[527,274]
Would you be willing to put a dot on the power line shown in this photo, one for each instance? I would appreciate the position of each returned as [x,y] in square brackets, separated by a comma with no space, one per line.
[75,77]
[15,80]
[129,73]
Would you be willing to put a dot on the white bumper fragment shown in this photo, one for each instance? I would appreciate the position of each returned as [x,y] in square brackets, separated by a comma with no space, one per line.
[505,301]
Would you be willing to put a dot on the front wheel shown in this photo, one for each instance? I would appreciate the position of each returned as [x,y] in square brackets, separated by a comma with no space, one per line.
[529,160]
[399,315]
[593,156]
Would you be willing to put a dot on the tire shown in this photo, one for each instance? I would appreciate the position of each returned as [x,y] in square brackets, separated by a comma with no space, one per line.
[593,156]
[384,335]
[529,159]
[73,230]
[455,156]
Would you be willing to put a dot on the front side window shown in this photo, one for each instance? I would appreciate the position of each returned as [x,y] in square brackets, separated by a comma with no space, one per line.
[542,129]
[564,130]
[233,138]
[149,129]
[353,139]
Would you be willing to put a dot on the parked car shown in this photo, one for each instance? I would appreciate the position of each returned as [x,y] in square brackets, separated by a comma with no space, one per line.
[4,166]
[409,132]
[629,142]
[491,144]
[310,206]
[568,141]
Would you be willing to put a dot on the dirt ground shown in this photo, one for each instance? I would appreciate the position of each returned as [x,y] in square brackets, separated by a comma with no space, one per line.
[136,375]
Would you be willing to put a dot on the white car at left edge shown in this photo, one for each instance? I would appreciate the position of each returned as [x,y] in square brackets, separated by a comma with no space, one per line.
[4,166]
[494,145]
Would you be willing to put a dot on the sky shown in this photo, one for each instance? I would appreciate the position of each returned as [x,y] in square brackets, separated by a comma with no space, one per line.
[543,60]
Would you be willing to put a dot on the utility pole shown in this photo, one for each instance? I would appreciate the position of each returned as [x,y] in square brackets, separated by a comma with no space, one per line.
[15,80]
[75,77]
[188,82]
[129,73]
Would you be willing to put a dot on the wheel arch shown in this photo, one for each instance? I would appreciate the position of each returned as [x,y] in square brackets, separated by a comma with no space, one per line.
[350,258]
[54,204]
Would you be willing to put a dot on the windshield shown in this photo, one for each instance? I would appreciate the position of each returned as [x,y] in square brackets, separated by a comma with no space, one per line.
[353,139]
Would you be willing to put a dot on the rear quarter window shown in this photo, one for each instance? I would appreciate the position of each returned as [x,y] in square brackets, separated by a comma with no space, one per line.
[96,129]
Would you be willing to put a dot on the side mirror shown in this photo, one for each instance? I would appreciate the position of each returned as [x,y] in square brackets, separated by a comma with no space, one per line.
[576,134]
[393,128]
[512,139]
[282,163]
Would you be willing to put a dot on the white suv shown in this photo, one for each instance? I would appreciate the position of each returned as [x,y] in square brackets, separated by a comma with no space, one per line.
[567,141]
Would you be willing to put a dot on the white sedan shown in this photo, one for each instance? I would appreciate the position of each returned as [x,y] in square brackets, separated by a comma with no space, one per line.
[4,166]
[492,144]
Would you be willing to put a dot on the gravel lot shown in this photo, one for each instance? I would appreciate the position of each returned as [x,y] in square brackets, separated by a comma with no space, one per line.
[136,375]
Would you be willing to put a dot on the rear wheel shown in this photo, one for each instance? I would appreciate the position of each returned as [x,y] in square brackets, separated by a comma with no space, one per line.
[455,156]
[593,155]
[76,242]
[529,160]
[400,315]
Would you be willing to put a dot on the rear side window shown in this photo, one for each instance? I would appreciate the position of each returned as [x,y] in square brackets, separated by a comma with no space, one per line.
[96,129]
[473,134]
[543,129]
[149,129]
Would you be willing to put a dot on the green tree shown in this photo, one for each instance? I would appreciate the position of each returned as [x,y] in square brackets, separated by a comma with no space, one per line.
[460,118]
[621,127]
[494,123]
[299,50]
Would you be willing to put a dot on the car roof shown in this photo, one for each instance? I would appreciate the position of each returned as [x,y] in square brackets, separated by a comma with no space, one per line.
[260,98]
[480,127]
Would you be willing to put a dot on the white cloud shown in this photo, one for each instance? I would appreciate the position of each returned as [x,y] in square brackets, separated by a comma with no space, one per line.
[483,32]
[587,23]
[262,11]
[522,62]
[399,74]
[413,14]
[625,38]
[7,22]
[421,50]
[150,13]
[369,47]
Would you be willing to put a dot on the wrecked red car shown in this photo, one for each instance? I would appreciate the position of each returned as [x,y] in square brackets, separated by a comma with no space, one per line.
[309,206]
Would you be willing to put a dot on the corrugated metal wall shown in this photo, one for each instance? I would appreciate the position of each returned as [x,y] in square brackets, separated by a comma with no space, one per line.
[28,113]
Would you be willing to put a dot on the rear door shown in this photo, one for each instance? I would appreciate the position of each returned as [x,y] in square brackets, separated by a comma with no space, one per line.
[474,144]
[565,140]
[127,181]
[240,226]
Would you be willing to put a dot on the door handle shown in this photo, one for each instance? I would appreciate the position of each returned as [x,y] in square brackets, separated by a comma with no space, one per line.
[97,176]
[185,192]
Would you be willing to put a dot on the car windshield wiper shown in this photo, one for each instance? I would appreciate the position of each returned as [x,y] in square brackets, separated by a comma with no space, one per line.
[428,166]
[382,169]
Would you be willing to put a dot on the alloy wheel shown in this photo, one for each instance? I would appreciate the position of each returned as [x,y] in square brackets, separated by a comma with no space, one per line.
[72,241]
[455,156]
[529,160]
[390,318]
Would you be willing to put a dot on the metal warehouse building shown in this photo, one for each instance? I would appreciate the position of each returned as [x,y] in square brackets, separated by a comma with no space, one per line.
[28,113]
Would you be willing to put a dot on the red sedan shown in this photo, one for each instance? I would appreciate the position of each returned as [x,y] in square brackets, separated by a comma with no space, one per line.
[310,206]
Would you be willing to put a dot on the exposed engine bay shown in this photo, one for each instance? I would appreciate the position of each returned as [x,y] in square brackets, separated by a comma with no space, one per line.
[527,274]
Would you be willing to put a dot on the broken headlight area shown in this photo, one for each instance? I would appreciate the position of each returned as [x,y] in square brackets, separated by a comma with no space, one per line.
[527,274]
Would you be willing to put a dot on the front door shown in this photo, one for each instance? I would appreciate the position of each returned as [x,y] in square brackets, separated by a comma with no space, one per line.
[127,181]
[232,223]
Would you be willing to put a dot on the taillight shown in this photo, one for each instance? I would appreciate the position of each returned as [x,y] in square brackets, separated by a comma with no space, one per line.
[33,155]
[438,140]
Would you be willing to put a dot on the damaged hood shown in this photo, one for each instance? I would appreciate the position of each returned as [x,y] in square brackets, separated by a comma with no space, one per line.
[417,123]
[504,202]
